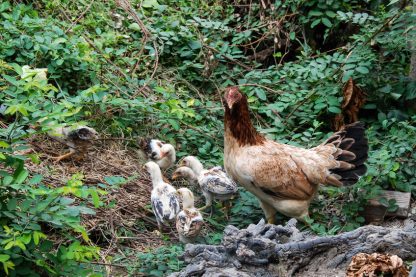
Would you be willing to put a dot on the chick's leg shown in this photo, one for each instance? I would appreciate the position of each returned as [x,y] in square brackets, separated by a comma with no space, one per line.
[226,207]
[208,202]
[71,152]
[269,212]
[64,156]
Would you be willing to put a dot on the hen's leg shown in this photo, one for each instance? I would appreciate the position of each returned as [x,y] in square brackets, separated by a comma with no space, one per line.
[269,212]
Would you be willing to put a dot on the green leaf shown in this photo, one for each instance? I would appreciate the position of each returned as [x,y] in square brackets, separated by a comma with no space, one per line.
[26,238]
[261,94]
[20,244]
[4,144]
[315,22]
[9,245]
[4,257]
[174,124]
[326,22]
[320,106]
[334,110]
[115,180]
[150,4]
[7,180]
[11,205]
[362,69]
[95,198]
[330,14]
[21,176]
[17,68]
[11,80]
[195,44]
[135,27]
[315,13]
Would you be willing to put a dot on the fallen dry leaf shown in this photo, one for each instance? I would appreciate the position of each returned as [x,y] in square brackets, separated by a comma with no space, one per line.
[353,99]
[363,265]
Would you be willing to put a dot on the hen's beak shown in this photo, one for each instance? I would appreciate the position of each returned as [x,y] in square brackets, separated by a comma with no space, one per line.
[230,103]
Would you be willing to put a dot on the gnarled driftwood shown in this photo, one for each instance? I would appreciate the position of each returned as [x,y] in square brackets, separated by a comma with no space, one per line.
[270,250]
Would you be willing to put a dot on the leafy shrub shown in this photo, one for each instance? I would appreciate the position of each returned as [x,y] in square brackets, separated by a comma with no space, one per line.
[160,262]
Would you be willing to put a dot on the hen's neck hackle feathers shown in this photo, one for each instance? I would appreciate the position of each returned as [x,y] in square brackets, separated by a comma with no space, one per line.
[237,123]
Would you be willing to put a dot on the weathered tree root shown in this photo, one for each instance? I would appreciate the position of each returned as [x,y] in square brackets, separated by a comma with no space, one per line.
[270,250]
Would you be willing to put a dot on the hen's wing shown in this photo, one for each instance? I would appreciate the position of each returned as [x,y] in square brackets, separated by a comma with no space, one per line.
[283,171]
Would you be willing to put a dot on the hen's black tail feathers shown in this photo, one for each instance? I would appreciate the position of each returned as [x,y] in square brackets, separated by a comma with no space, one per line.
[353,152]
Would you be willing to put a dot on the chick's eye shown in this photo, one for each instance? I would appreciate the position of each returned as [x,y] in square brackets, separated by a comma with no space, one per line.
[159,144]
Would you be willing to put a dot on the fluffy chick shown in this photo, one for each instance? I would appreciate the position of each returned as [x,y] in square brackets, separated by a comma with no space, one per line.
[165,203]
[189,221]
[78,138]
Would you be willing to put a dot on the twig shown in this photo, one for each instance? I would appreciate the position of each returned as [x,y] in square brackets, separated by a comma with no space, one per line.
[81,16]
[261,86]
[228,58]
[108,60]
[126,6]
[106,264]
[126,139]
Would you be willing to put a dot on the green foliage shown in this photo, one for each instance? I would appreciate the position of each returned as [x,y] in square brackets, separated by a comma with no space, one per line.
[246,210]
[159,262]
[32,211]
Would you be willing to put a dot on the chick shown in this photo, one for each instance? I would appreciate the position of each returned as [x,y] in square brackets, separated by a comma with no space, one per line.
[151,147]
[214,183]
[165,203]
[167,156]
[186,173]
[78,138]
[189,221]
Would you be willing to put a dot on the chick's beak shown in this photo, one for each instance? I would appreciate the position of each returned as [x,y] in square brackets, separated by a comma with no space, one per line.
[174,176]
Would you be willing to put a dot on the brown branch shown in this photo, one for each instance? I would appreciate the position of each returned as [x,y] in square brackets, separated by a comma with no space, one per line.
[91,43]
[228,58]
[80,17]
[126,6]
[261,86]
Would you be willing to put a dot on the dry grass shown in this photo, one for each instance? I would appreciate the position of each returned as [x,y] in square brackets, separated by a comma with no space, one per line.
[125,220]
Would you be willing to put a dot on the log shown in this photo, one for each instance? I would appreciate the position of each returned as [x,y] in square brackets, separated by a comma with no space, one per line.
[375,211]
[270,250]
